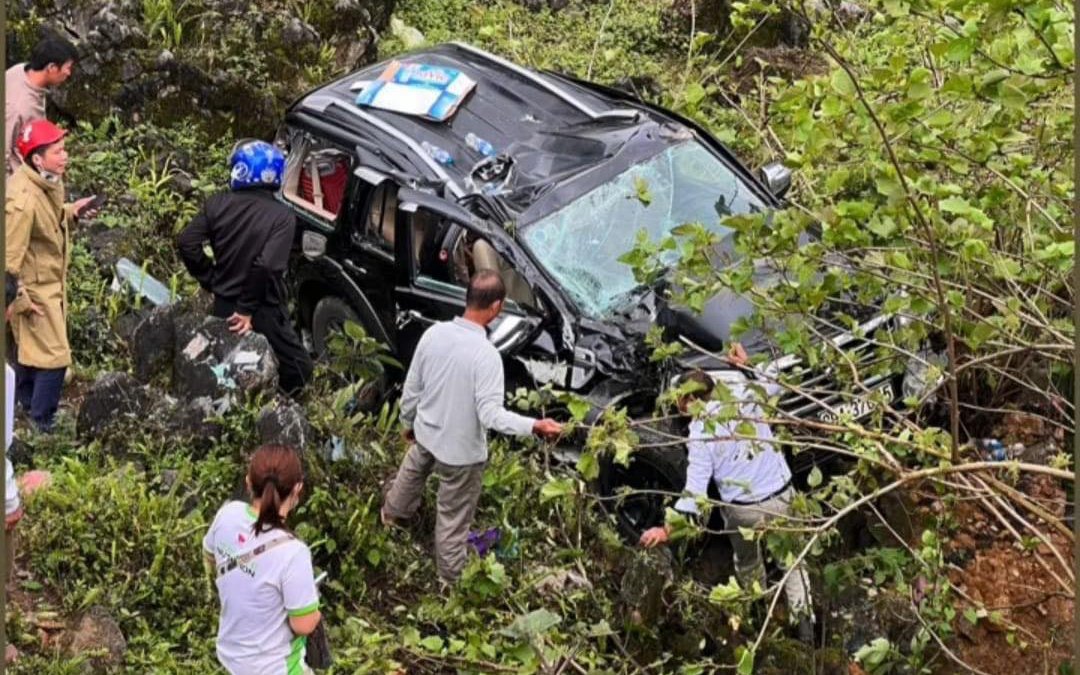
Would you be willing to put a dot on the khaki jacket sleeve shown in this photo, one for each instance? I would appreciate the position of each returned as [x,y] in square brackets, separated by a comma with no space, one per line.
[69,214]
[18,222]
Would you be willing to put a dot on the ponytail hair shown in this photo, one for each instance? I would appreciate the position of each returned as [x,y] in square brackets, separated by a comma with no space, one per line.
[273,474]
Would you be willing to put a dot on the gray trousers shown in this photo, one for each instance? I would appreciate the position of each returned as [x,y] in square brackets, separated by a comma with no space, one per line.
[749,564]
[458,495]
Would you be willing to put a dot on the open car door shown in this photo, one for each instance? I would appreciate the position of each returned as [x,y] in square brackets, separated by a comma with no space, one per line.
[438,239]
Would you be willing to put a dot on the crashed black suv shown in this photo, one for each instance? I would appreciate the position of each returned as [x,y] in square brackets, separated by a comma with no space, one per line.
[397,212]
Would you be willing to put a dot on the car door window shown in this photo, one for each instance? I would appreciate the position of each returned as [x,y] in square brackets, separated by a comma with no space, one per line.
[430,260]
[316,176]
[470,254]
[378,225]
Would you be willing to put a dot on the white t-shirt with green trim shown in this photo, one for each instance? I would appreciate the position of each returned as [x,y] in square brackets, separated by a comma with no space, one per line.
[257,598]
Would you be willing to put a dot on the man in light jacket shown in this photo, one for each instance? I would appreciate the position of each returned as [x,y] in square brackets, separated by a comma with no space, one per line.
[37,227]
[454,392]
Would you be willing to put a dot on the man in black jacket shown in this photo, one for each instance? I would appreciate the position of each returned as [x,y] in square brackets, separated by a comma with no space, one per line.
[251,234]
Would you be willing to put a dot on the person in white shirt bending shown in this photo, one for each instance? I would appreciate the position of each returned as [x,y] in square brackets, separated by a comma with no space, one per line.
[751,475]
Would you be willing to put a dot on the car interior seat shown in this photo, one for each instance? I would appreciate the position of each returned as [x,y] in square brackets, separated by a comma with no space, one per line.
[384,219]
[323,178]
[485,257]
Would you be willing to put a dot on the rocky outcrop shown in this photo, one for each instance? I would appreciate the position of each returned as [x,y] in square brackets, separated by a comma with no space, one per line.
[212,361]
[153,342]
[282,422]
[112,399]
[232,64]
[648,574]
[97,635]
[118,401]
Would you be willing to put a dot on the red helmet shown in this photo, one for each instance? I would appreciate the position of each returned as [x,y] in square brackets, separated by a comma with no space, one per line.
[35,134]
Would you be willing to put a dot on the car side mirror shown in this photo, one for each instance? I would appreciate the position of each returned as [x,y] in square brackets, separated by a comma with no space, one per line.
[777,178]
[312,244]
[510,331]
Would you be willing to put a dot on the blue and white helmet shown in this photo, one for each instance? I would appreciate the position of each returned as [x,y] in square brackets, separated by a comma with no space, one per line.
[255,164]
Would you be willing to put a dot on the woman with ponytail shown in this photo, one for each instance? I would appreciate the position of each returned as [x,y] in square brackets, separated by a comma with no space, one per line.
[269,600]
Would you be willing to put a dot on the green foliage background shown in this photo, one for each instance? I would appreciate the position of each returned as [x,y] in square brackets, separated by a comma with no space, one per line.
[974,99]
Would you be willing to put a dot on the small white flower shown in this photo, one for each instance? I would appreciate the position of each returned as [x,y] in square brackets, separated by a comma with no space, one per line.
[268,175]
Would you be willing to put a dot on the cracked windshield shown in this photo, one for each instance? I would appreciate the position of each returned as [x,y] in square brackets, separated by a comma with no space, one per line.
[580,244]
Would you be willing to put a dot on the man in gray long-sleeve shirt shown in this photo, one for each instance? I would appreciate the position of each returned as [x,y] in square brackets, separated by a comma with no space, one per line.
[25,84]
[454,393]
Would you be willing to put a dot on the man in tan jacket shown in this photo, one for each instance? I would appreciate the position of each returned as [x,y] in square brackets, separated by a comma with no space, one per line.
[25,84]
[37,226]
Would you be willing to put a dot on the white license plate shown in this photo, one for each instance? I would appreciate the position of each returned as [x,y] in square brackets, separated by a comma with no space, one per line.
[857,408]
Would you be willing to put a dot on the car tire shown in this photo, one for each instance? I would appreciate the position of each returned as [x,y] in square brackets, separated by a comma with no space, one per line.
[650,469]
[330,315]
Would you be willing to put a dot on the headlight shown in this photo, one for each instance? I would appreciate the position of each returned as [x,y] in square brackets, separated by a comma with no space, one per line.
[923,376]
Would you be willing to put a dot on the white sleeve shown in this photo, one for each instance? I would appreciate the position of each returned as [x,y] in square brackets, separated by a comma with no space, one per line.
[9,406]
[768,380]
[298,588]
[11,488]
[414,384]
[490,393]
[208,538]
[699,470]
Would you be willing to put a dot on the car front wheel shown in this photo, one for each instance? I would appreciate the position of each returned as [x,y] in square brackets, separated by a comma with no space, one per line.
[638,494]
[329,317]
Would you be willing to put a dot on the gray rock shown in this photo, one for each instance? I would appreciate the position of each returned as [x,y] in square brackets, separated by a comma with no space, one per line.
[114,397]
[411,38]
[899,511]
[296,33]
[211,361]
[168,479]
[180,181]
[97,632]
[127,323]
[126,71]
[106,245]
[648,574]
[556,582]
[153,342]
[193,422]
[845,10]
[282,422]
[872,613]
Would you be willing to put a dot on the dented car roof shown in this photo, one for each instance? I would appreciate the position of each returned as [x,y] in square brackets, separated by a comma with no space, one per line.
[564,137]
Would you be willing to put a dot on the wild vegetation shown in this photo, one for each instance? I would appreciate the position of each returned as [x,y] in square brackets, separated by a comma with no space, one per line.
[932,146]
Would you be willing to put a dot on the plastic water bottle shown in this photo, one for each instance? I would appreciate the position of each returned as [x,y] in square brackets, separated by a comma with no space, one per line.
[142,283]
[438,154]
[479,145]
[994,449]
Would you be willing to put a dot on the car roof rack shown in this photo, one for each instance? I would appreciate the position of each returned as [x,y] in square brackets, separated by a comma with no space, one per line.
[549,86]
